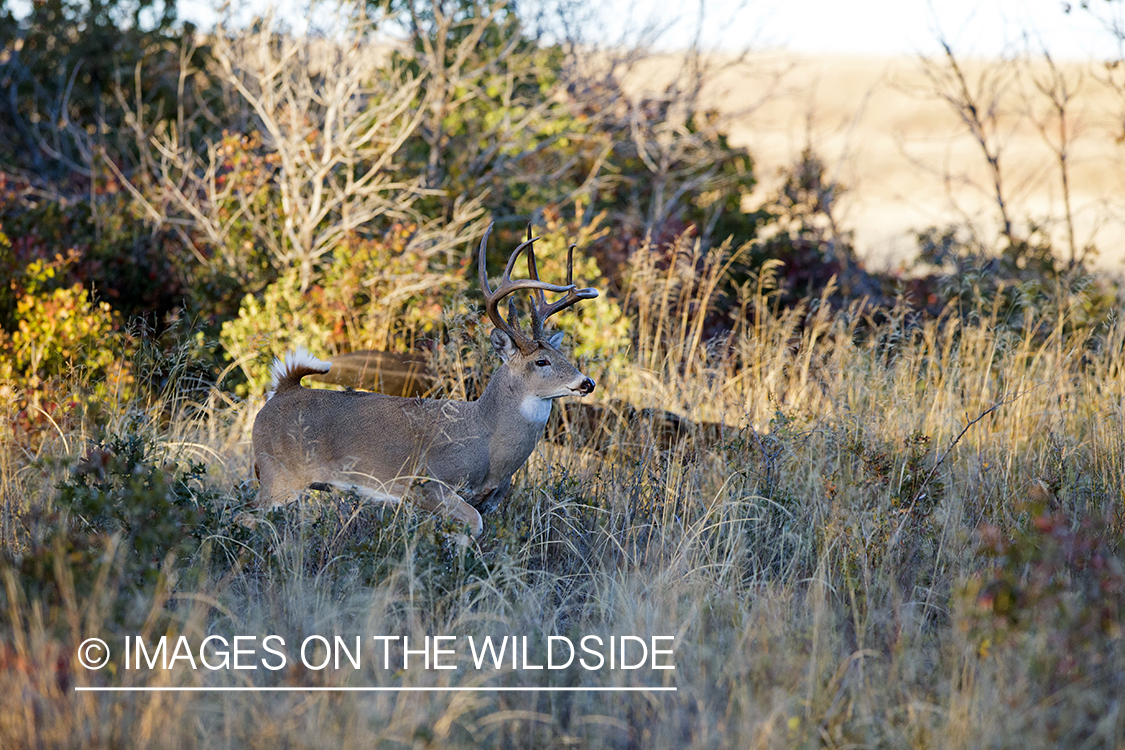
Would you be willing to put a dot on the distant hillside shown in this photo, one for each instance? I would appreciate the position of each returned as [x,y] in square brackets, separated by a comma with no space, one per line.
[906,158]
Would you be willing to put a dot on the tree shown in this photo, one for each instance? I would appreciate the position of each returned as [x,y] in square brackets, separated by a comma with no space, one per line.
[60,67]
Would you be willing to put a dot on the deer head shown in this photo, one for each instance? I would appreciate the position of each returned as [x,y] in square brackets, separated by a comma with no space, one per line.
[541,372]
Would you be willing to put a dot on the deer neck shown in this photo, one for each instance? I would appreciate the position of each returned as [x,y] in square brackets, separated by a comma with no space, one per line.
[506,406]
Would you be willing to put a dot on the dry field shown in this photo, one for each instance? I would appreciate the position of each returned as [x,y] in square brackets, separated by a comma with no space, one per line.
[905,157]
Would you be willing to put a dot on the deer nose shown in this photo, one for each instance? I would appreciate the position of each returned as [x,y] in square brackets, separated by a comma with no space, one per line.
[587,387]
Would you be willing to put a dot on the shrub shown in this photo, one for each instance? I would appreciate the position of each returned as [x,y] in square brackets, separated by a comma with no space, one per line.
[1055,579]
[60,66]
[799,226]
[378,292]
[1020,286]
[110,249]
[59,329]
[120,516]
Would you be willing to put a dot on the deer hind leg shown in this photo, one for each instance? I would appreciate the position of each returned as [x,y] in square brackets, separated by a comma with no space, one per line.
[277,485]
[428,494]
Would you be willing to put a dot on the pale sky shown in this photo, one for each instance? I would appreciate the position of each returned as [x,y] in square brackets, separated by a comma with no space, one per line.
[878,27]
[884,27]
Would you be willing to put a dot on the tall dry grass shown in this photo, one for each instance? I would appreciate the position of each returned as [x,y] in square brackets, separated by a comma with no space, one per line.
[816,562]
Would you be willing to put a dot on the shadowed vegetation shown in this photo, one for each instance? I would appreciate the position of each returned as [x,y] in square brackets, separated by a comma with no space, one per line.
[889,513]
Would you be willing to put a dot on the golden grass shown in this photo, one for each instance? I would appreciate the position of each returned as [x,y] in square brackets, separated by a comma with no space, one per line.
[811,577]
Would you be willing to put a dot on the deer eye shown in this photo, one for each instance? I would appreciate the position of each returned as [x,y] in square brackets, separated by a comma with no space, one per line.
[543,363]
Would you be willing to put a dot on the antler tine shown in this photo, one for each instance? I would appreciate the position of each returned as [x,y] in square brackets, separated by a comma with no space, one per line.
[492,297]
[540,310]
[540,313]
[533,273]
[529,243]
[483,274]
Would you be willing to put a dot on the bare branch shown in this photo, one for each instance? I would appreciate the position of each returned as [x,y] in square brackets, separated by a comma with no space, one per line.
[333,113]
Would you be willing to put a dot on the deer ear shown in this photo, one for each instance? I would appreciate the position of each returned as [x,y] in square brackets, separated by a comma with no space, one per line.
[503,344]
[556,340]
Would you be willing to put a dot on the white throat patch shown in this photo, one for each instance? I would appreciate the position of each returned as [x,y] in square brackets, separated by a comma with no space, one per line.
[535,409]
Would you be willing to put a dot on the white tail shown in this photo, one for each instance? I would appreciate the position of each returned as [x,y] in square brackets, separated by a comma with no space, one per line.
[297,364]
[451,457]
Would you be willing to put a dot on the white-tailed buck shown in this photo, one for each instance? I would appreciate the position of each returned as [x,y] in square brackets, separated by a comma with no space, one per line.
[450,457]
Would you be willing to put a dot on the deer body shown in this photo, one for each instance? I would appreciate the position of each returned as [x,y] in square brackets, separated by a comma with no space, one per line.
[448,456]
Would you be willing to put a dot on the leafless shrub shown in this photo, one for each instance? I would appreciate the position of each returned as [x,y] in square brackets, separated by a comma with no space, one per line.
[977,98]
[333,114]
[1049,95]
[655,112]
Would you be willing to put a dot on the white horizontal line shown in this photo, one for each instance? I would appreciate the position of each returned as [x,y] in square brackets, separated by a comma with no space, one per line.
[290,689]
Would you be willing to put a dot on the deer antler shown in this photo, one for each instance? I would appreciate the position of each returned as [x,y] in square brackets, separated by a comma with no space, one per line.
[540,309]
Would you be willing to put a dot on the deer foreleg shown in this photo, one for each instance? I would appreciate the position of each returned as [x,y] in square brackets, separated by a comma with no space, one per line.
[488,502]
[437,497]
